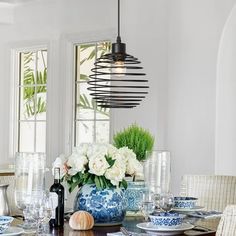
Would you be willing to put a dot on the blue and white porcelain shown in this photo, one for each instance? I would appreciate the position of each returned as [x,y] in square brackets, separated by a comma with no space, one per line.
[134,194]
[166,220]
[107,206]
[5,222]
[154,230]
[185,202]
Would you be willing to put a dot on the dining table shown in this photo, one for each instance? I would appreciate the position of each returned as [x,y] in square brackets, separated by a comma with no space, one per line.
[130,224]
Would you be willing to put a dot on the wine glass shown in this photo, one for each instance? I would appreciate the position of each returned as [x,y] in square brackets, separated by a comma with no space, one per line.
[42,212]
[147,205]
[156,199]
[166,201]
[29,180]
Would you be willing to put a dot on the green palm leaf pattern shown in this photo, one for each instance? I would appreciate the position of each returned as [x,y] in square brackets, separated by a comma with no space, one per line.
[91,104]
[86,102]
[34,90]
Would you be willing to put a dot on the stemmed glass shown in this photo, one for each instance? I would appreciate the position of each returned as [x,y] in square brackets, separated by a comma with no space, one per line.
[147,205]
[29,181]
[41,211]
[166,201]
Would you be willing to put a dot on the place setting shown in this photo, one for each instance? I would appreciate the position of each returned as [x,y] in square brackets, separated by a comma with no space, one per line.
[186,204]
[160,219]
[158,201]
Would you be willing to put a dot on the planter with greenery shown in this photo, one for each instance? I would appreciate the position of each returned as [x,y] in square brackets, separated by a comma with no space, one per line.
[140,141]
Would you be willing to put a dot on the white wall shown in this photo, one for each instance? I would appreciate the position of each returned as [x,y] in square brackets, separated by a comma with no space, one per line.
[226,99]
[144,29]
[6,13]
[51,22]
[195,29]
[181,64]
[180,108]
[47,22]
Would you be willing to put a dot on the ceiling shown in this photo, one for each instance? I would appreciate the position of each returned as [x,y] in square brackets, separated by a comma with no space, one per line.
[15,1]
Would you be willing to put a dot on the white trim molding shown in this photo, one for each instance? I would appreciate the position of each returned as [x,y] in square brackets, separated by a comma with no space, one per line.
[14,49]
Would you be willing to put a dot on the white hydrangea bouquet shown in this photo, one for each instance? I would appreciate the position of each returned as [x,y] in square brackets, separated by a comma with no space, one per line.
[101,164]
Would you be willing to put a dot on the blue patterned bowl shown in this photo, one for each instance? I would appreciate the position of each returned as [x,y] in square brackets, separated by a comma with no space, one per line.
[166,220]
[5,222]
[185,202]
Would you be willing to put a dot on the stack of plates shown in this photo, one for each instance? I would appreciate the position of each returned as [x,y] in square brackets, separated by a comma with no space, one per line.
[13,231]
[195,208]
[154,230]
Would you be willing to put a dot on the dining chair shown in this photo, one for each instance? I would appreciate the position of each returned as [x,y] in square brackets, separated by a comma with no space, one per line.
[227,225]
[214,192]
[10,180]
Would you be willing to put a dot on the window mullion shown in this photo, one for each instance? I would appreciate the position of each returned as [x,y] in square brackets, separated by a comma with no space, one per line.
[35,99]
[77,49]
[19,100]
[31,85]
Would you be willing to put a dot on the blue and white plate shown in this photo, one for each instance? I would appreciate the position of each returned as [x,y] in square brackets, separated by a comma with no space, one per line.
[13,231]
[196,208]
[154,230]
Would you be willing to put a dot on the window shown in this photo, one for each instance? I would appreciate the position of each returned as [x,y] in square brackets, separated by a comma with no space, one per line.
[31,101]
[91,123]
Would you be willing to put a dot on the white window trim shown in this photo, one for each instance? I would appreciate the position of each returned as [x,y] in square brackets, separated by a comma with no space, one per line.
[69,42]
[15,54]
[14,50]
[60,73]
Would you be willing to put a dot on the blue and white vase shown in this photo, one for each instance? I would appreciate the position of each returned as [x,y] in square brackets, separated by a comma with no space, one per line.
[108,206]
[134,195]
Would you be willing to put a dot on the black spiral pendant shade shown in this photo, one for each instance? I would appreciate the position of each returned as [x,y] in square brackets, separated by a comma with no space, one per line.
[117,80]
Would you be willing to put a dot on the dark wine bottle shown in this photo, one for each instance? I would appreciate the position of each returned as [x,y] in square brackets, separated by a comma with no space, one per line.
[57,195]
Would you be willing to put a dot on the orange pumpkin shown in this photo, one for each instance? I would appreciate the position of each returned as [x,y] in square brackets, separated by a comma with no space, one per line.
[81,220]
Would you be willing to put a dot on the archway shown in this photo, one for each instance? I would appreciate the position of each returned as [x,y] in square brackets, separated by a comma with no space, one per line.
[225,143]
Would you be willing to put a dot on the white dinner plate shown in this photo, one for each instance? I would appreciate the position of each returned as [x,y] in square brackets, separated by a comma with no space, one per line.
[154,230]
[13,231]
[196,208]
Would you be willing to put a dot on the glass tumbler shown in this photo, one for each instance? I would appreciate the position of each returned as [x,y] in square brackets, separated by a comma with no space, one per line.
[29,181]
[147,205]
[157,171]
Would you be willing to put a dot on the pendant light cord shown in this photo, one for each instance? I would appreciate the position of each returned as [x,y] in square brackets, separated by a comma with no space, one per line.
[118,37]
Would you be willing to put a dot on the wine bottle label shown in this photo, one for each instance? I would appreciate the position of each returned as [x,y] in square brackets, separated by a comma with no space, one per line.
[54,200]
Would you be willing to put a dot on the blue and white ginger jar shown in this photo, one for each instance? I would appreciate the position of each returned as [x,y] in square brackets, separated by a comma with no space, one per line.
[134,194]
[107,206]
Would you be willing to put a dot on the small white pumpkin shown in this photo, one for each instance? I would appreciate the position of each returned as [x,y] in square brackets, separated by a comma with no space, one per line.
[81,220]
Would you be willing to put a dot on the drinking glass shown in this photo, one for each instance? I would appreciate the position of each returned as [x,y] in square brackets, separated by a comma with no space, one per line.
[147,205]
[41,211]
[157,171]
[166,201]
[29,181]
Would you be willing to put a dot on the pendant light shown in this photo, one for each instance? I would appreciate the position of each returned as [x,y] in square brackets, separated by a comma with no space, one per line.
[117,80]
